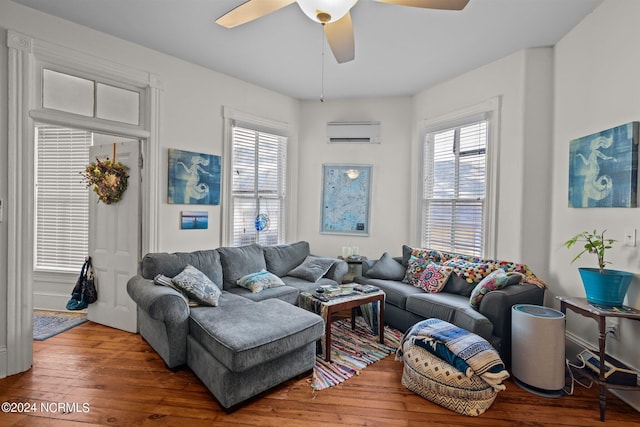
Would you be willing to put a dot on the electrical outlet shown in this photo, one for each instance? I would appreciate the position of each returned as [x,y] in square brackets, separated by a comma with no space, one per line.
[630,237]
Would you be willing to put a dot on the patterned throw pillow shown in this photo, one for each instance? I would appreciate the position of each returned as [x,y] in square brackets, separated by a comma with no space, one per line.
[259,281]
[197,286]
[415,267]
[433,278]
[494,281]
[427,275]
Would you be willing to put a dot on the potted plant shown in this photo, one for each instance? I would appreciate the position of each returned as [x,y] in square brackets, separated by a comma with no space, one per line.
[602,286]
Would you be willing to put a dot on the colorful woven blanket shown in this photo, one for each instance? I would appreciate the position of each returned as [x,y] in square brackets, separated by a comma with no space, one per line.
[467,350]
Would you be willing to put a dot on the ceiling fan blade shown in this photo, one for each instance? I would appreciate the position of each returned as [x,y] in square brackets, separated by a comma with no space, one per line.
[340,37]
[250,10]
[430,4]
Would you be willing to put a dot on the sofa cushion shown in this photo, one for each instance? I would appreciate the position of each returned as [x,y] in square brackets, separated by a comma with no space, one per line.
[197,286]
[207,261]
[386,268]
[451,308]
[243,336]
[240,261]
[285,293]
[259,281]
[396,292]
[312,268]
[281,259]
[304,285]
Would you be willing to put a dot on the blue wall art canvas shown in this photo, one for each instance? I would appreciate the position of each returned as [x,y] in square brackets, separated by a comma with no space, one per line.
[194,220]
[603,168]
[194,178]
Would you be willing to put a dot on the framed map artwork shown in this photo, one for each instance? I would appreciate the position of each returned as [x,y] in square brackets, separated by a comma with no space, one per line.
[346,199]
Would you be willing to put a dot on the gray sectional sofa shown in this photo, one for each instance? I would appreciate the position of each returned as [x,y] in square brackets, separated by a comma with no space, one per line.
[250,341]
[405,305]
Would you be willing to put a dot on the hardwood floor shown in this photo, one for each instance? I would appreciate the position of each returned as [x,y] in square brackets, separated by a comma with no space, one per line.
[96,375]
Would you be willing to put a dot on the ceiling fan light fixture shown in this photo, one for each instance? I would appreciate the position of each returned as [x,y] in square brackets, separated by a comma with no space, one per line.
[326,11]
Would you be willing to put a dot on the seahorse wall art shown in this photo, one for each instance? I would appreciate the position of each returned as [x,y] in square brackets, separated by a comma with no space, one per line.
[194,178]
[603,168]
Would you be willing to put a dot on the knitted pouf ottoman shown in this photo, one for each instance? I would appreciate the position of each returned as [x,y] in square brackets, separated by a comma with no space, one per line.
[458,388]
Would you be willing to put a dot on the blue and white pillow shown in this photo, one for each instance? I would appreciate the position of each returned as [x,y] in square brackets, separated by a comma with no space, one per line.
[197,286]
[259,281]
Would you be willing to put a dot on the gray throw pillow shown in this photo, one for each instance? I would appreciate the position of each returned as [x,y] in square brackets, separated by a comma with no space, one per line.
[281,259]
[457,285]
[386,268]
[197,286]
[312,268]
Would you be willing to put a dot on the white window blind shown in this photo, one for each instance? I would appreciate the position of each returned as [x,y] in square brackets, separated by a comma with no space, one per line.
[454,188]
[61,198]
[257,186]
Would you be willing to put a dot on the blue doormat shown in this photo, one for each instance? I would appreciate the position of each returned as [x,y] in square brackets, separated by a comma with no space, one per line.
[47,325]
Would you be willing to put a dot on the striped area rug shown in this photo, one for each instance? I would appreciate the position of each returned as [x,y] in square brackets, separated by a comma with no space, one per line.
[351,352]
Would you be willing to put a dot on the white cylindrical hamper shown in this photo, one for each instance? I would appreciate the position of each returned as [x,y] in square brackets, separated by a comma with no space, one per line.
[538,349]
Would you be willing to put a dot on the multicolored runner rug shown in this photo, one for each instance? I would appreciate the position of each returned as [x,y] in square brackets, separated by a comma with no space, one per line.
[352,351]
[47,324]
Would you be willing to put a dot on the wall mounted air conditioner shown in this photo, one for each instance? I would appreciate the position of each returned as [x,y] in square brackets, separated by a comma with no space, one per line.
[353,132]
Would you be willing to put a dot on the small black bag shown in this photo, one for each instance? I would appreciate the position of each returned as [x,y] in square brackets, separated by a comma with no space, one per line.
[89,290]
[84,292]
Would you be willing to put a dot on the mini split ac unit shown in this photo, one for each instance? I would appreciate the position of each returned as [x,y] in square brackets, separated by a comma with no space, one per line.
[353,132]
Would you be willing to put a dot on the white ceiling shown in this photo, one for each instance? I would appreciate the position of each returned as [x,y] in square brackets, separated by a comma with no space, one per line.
[399,50]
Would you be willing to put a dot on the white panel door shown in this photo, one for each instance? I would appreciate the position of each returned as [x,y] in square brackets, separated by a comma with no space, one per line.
[114,242]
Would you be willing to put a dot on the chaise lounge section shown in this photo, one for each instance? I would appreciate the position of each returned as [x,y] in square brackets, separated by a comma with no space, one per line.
[251,339]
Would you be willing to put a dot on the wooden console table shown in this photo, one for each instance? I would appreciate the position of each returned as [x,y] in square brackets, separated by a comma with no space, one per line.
[581,306]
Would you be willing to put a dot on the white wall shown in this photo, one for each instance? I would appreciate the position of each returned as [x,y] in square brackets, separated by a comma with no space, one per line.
[596,88]
[190,119]
[523,83]
[391,177]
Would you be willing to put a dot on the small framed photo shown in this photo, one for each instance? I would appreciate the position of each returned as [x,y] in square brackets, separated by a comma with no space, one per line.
[194,220]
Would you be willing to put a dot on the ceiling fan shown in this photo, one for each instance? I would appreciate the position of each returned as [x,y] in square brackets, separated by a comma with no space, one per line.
[332,14]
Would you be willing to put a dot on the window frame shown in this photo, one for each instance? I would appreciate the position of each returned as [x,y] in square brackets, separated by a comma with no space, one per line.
[234,118]
[489,111]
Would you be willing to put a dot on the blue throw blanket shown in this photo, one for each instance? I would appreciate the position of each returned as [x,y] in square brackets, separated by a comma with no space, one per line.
[468,352]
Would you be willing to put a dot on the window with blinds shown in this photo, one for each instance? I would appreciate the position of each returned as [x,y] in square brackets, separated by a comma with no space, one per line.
[61,198]
[455,177]
[257,187]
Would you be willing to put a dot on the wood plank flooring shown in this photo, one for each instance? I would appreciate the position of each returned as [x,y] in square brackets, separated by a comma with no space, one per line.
[96,375]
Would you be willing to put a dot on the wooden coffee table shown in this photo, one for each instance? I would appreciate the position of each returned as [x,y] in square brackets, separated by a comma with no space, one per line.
[353,301]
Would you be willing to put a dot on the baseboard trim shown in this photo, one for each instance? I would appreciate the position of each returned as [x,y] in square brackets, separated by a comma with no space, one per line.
[50,301]
[4,360]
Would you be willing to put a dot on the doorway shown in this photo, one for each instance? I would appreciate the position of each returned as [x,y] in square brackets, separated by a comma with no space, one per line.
[70,223]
